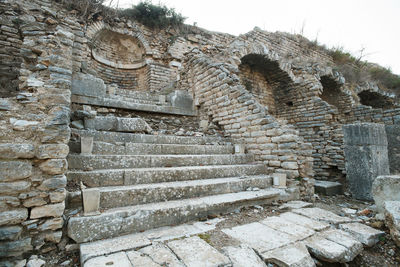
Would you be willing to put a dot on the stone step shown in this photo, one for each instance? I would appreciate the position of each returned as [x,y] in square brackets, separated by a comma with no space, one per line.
[117,124]
[120,196]
[115,137]
[104,148]
[98,162]
[121,221]
[115,177]
[112,102]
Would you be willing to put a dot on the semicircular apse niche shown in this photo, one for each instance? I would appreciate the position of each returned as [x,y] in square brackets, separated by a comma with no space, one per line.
[120,59]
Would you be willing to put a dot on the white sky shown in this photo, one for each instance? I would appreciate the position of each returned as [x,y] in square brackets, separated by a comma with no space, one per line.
[354,24]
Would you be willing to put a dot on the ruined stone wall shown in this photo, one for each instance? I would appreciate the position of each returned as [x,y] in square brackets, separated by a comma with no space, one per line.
[223,99]
[10,44]
[34,132]
[256,83]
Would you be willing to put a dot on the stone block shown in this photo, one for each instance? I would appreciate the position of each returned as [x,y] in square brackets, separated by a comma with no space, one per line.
[181,99]
[54,166]
[52,210]
[385,188]
[13,216]
[328,188]
[14,187]
[15,248]
[365,134]
[366,157]
[86,144]
[243,256]
[240,148]
[393,138]
[91,200]
[279,180]
[88,85]
[14,170]
[53,151]
[10,232]
[392,219]
[363,233]
[14,151]
[54,183]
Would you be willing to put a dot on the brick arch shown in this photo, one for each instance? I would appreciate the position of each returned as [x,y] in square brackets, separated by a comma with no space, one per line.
[334,94]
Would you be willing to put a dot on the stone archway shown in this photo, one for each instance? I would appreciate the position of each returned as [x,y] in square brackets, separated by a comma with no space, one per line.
[375,100]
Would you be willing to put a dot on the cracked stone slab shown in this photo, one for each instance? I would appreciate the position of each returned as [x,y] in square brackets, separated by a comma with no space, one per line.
[285,226]
[295,204]
[322,215]
[363,233]
[109,246]
[117,259]
[243,256]
[161,255]
[354,247]
[140,259]
[259,236]
[139,240]
[194,252]
[294,255]
[326,250]
[304,221]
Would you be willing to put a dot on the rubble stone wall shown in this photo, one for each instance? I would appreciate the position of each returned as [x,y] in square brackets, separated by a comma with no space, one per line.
[10,54]
[35,132]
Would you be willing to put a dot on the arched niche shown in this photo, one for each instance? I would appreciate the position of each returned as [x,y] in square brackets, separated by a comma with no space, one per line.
[264,79]
[333,94]
[375,100]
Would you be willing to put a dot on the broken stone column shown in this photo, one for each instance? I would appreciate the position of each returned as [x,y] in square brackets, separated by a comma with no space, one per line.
[366,155]
[393,138]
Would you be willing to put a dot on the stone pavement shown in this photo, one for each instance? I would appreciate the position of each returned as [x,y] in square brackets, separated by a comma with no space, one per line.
[293,238]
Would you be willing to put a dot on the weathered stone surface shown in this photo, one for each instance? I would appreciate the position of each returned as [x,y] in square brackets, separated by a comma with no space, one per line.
[243,256]
[392,133]
[14,187]
[10,232]
[117,259]
[8,201]
[194,251]
[91,200]
[13,216]
[35,201]
[392,219]
[58,195]
[260,237]
[23,125]
[353,246]
[322,215]
[54,166]
[161,255]
[34,261]
[328,188]
[181,99]
[366,157]
[14,170]
[52,210]
[282,225]
[14,151]
[54,237]
[385,188]
[53,151]
[363,233]
[140,259]
[88,85]
[15,248]
[51,224]
[304,221]
[295,255]
[56,182]
[326,250]
[117,124]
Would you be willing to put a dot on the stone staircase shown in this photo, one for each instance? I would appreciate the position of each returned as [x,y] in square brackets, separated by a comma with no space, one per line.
[128,180]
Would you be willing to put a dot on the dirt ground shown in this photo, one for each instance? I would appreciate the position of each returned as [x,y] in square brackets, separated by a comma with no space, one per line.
[385,253]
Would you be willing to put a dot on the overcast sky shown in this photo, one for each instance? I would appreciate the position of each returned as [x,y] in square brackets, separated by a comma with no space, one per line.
[354,24]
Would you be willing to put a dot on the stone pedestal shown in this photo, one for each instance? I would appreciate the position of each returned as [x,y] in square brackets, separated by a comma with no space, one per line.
[366,155]
[393,138]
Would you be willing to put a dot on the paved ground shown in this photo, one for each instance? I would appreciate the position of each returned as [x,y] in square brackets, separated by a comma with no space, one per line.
[295,237]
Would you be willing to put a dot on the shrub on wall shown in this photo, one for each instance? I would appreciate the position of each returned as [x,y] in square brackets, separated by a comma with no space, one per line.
[154,16]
